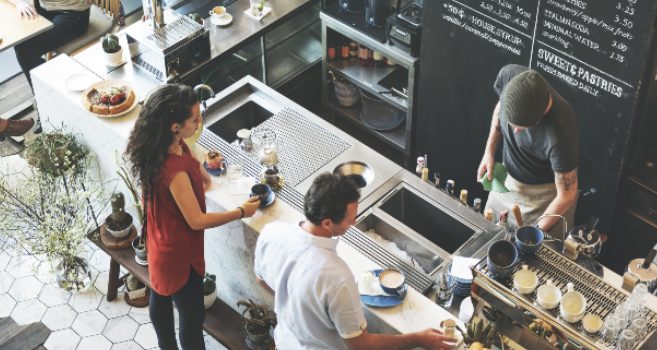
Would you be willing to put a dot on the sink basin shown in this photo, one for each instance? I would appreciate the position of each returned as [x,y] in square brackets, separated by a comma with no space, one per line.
[422,254]
[360,172]
[246,116]
[428,219]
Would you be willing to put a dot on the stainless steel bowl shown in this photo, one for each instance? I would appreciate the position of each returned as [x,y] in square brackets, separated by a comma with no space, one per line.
[360,172]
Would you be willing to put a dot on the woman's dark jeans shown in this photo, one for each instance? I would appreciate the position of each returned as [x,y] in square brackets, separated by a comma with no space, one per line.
[189,301]
[67,25]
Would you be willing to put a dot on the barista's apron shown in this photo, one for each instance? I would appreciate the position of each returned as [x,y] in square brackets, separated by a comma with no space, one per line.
[533,200]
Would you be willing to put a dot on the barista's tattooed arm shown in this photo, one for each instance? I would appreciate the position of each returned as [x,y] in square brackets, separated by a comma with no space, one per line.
[567,180]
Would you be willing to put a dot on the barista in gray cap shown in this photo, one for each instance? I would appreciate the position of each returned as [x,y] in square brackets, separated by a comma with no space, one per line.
[541,149]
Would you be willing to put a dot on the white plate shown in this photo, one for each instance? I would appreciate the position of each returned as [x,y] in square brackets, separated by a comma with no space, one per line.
[221,21]
[79,82]
[101,84]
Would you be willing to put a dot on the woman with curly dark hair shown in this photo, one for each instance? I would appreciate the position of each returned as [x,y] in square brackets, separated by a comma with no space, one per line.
[173,184]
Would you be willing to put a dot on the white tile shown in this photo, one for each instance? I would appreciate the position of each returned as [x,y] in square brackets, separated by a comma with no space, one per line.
[53,295]
[45,273]
[94,342]
[7,304]
[212,344]
[59,317]
[65,339]
[21,266]
[9,247]
[28,311]
[86,301]
[146,336]
[6,281]
[102,282]
[140,314]
[115,308]
[100,260]
[4,260]
[120,329]
[89,323]
[25,288]
[128,345]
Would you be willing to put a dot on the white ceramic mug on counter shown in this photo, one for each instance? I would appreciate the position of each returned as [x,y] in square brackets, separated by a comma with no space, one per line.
[573,305]
[548,295]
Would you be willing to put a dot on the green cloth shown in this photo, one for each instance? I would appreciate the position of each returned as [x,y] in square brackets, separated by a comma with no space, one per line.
[499,176]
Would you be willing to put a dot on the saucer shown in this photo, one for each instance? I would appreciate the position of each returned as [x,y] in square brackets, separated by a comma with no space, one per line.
[224,21]
[385,300]
[214,172]
[140,262]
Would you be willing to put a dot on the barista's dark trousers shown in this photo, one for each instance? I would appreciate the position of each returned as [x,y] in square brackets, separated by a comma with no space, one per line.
[189,301]
[67,25]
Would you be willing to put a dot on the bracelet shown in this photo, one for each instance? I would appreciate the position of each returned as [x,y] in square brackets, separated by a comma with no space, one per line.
[241,212]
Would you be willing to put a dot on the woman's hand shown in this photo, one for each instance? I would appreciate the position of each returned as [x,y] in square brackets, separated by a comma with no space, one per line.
[25,9]
[250,206]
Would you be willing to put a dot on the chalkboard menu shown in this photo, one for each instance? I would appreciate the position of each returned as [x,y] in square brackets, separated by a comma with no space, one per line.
[595,53]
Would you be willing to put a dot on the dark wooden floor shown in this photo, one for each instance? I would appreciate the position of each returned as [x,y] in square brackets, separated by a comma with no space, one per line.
[14,94]
[27,337]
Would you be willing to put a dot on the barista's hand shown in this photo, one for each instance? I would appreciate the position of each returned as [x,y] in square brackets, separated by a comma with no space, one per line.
[26,10]
[486,166]
[250,206]
[431,339]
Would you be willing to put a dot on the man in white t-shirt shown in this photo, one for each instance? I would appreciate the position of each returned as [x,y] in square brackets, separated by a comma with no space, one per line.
[316,298]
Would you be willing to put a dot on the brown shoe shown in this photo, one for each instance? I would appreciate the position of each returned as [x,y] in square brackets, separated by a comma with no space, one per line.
[17,127]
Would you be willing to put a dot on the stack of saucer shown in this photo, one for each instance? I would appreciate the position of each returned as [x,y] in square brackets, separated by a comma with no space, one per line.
[460,275]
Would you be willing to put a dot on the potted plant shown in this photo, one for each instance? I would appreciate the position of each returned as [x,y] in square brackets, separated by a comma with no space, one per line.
[196,17]
[258,322]
[209,290]
[136,291]
[113,50]
[50,207]
[118,223]
[139,243]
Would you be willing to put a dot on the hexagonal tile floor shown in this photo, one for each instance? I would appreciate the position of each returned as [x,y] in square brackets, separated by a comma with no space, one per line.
[80,321]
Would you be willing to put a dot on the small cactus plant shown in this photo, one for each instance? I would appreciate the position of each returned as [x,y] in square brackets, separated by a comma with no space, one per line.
[196,17]
[110,43]
[131,283]
[209,284]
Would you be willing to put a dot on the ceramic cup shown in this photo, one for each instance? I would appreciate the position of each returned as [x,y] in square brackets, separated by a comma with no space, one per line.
[218,12]
[392,281]
[502,258]
[525,280]
[573,305]
[548,295]
[262,191]
[529,239]
[592,323]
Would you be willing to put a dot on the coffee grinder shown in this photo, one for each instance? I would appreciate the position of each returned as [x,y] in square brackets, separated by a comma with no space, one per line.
[268,157]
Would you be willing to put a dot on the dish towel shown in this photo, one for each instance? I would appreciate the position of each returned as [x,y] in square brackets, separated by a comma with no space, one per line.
[368,284]
[497,184]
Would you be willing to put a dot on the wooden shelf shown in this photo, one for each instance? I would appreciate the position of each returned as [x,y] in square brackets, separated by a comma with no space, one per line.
[395,138]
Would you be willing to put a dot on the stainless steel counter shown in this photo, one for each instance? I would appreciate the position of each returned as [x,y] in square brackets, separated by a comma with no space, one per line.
[224,41]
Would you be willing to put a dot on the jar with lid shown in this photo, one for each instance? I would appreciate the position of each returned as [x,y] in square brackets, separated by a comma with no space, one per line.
[362,55]
[344,50]
[378,59]
[331,51]
[353,49]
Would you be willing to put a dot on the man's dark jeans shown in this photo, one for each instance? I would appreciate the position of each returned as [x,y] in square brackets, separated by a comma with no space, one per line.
[67,25]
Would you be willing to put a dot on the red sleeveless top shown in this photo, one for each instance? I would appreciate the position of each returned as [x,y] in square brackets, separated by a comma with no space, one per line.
[172,245]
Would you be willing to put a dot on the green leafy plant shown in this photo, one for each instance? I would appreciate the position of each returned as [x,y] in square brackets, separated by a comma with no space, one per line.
[258,319]
[50,208]
[209,284]
[110,43]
